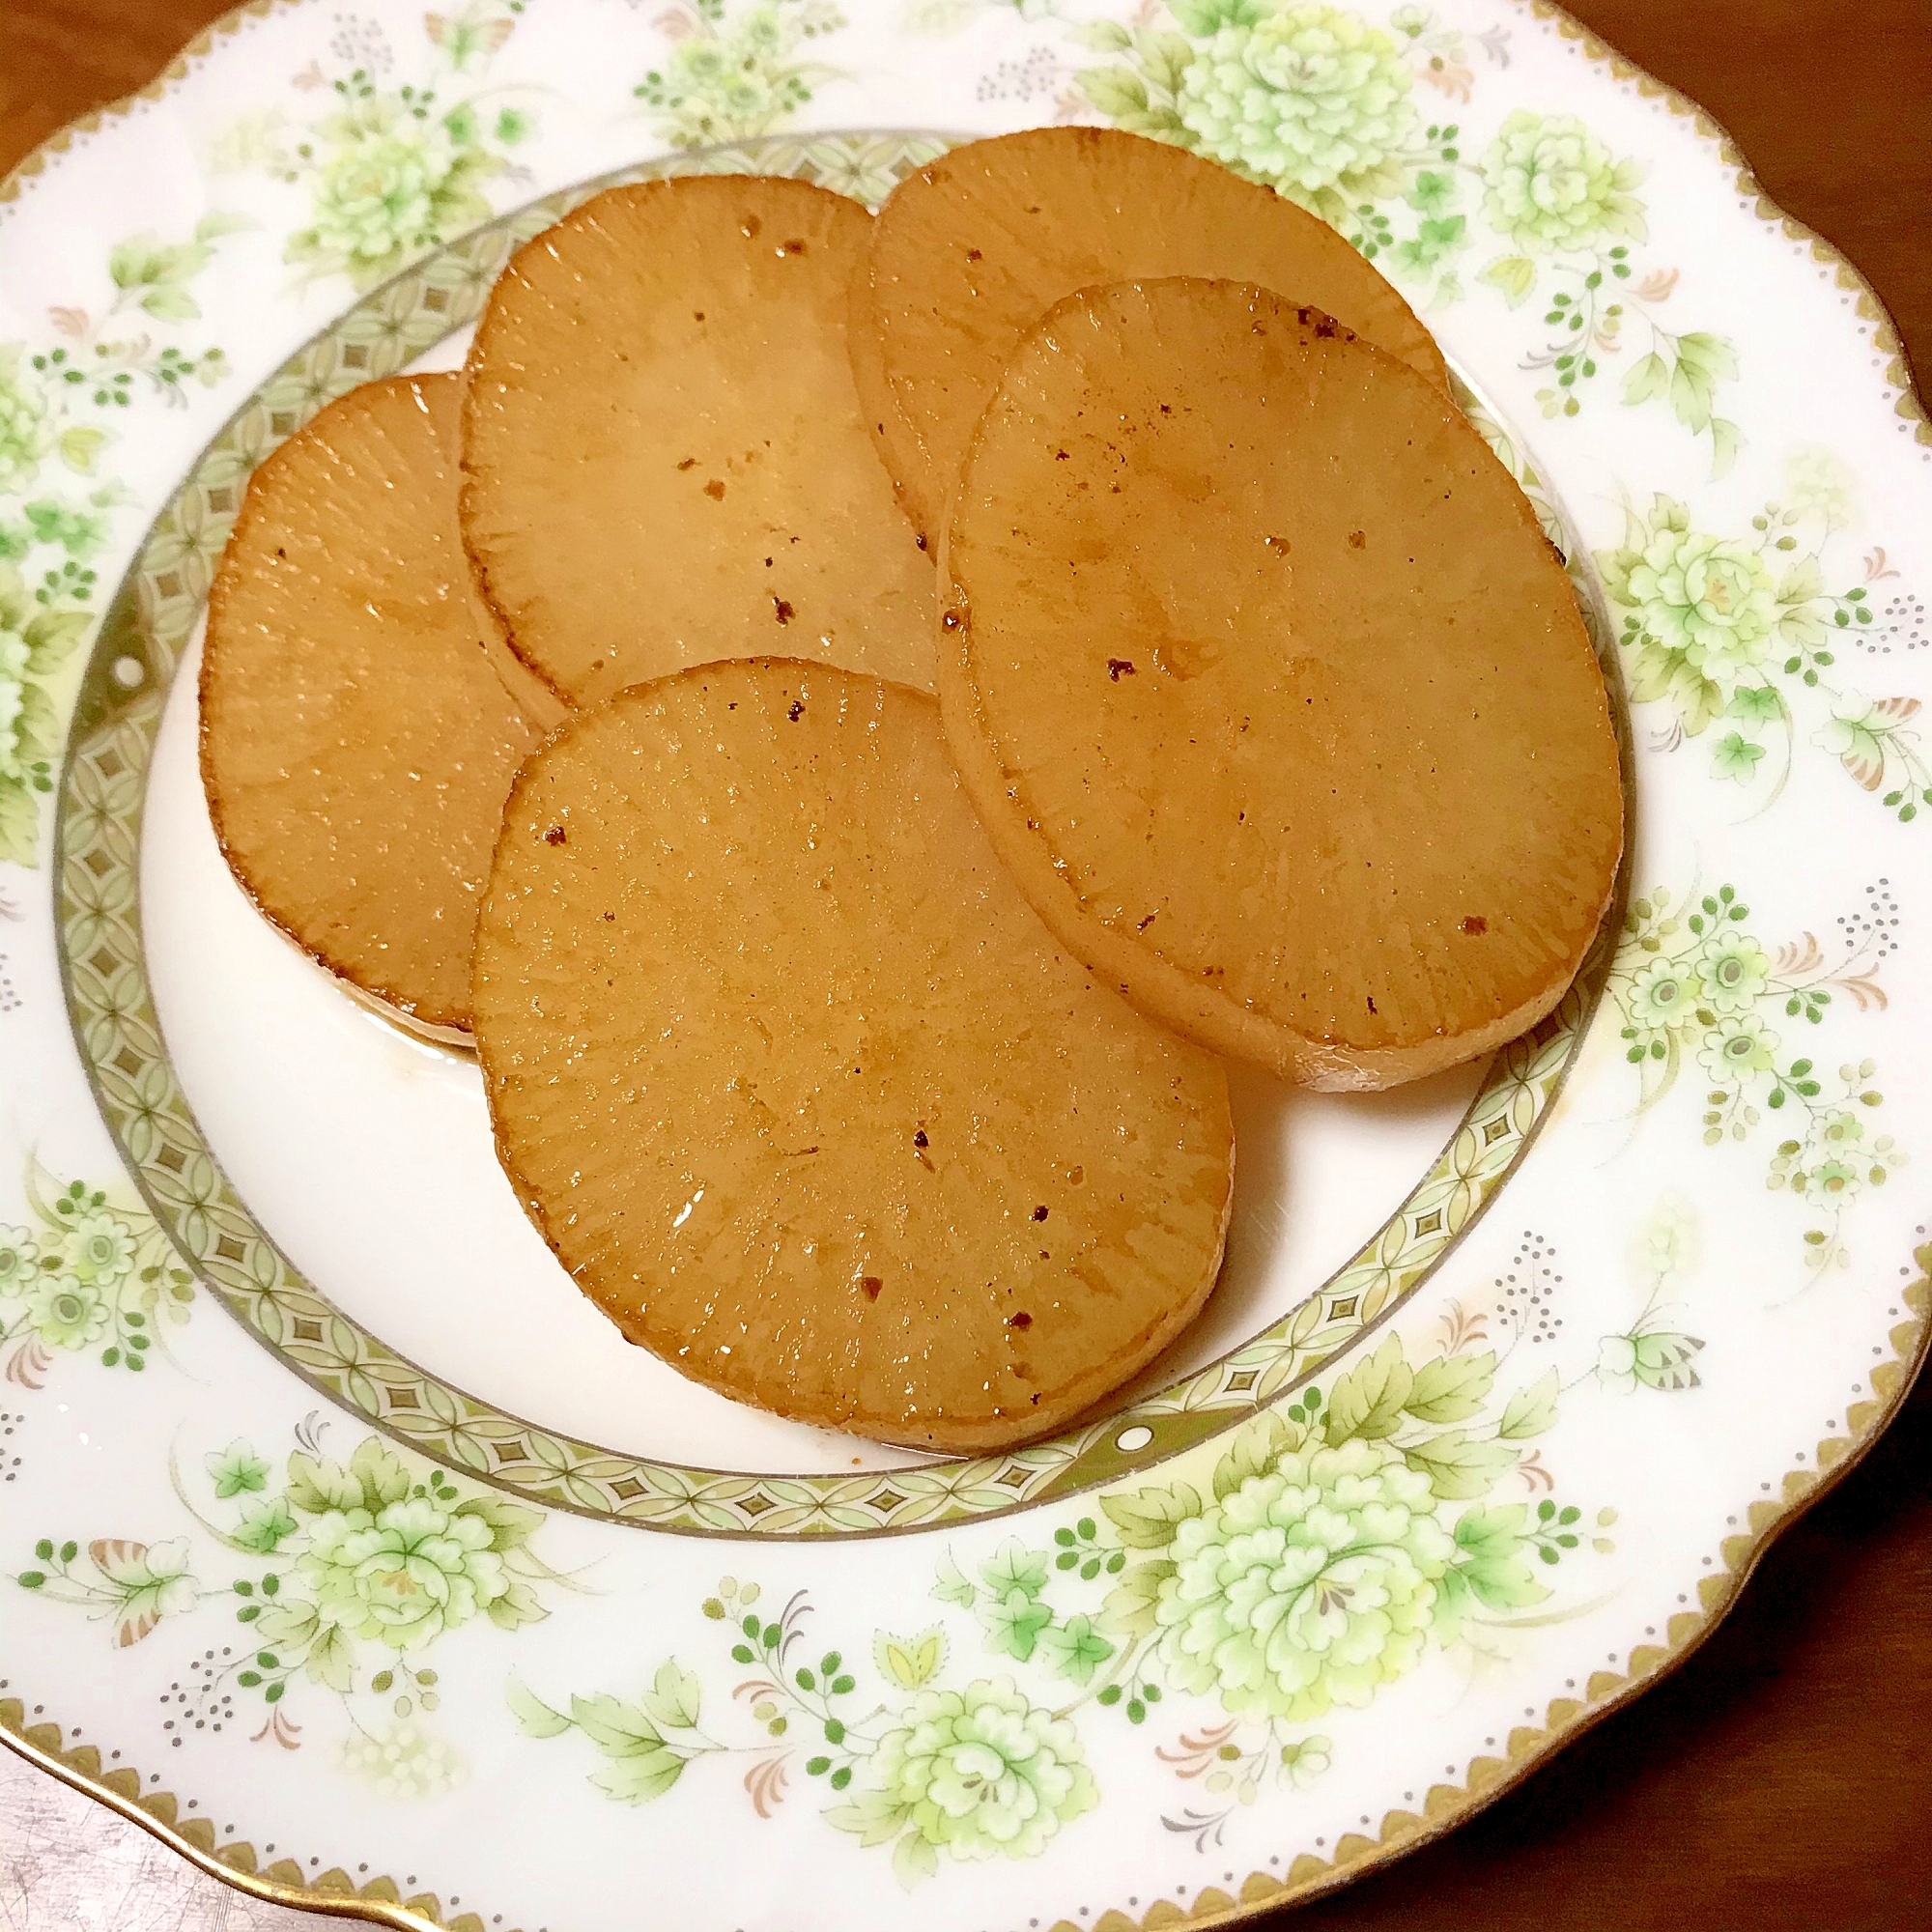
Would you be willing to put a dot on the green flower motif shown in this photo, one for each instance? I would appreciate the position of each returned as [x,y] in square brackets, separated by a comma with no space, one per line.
[1310,100]
[1308,1587]
[1818,483]
[66,1313]
[1551,185]
[1733,970]
[97,1248]
[1663,995]
[395,184]
[1856,731]
[1712,600]
[1835,1179]
[1616,1363]
[1738,1048]
[1306,1761]
[978,1774]
[26,427]
[403,1763]
[237,1468]
[736,79]
[404,1575]
[20,1259]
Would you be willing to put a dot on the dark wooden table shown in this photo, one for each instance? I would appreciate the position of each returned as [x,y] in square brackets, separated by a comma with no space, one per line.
[1782,1777]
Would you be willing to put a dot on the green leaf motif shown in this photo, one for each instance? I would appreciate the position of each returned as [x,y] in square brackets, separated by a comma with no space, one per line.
[871,1817]
[672,1700]
[1757,704]
[1459,1469]
[1164,58]
[512,1524]
[1131,1606]
[332,1658]
[1202,20]
[519,1605]
[915,1857]
[1074,1649]
[1515,276]
[1451,1388]
[1147,1519]
[1663,1360]
[1013,1623]
[1532,1410]
[1735,756]
[169,303]
[1369,1400]
[616,1728]
[1253,1451]
[535,1717]
[909,1662]
[79,448]
[1117,92]
[317,1484]
[1496,1574]
[951,1588]
[1649,378]
[1015,1568]
[265,1525]
[1104,37]
[379,1471]
[1431,191]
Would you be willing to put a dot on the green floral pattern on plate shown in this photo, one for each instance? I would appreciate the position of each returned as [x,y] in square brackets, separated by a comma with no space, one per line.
[735,73]
[372,1561]
[86,1276]
[1332,1544]
[1740,636]
[1320,104]
[1690,981]
[392,172]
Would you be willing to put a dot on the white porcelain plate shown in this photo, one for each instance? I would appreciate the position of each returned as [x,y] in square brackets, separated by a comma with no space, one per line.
[346,1545]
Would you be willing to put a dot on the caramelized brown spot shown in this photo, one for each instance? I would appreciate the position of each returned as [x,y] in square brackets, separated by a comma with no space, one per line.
[689,462]
[1357,540]
[953,621]
[872,1285]
[1117,668]
[1039,1213]
[782,611]
[1021,1319]
[556,836]
[749,227]
[714,489]
[1279,545]
[973,254]
[918,1140]
[1475,923]
[1145,924]
[791,248]
[794,713]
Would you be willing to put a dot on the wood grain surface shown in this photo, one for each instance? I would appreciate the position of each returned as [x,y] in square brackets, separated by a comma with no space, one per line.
[1783,1777]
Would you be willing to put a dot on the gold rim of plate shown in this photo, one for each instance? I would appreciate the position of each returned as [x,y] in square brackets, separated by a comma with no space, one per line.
[379,1900]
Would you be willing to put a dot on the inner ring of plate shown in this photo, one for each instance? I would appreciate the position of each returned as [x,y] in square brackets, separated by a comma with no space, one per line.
[103,782]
